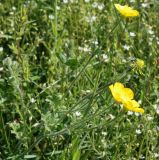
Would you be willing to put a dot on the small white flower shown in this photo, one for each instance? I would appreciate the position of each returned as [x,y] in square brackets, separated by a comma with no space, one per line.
[111,116]
[150,31]
[90,19]
[155,106]
[104,133]
[100,6]
[58,8]
[87,1]
[144,5]
[14,8]
[86,48]
[32,100]
[95,42]
[138,131]
[88,91]
[93,18]
[1,49]
[156,155]
[132,34]
[105,58]
[149,118]
[1,32]
[1,69]
[51,17]
[140,102]
[137,114]
[126,47]
[77,113]
[142,157]
[11,13]
[130,113]
[157,110]
[65,1]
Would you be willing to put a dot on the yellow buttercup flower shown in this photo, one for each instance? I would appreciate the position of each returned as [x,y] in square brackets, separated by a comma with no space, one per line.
[140,63]
[125,96]
[126,11]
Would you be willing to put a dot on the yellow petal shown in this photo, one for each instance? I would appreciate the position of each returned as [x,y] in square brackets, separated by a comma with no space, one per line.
[126,11]
[133,105]
[129,94]
[118,85]
[140,110]
[115,92]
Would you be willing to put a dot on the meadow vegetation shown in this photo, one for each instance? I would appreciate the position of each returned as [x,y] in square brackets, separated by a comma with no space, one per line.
[58,60]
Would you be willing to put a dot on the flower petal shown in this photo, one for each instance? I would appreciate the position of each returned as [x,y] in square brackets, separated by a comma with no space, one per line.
[129,94]
[133,105]
[126,11]
[116,93]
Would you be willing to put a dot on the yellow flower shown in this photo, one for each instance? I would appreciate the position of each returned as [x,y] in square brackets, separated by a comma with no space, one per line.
[125,96]
[140,63]
[120,93]
[126,11]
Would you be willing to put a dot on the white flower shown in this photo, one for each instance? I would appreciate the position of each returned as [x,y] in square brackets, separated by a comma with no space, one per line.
[132,34]
[32,100]
[90,19]
[149,118]
[51,17]
[95,42]
[144,5]
[126,47]
[87,1]
[11,13]
[157,110]
[93,18]
[77,113]
[138,131]
[1,49]
[137,114]
[104,133]
[1,68]
[150,31]
[58,8]
[86,48]
[100,6]
[156,155]
[129,113]
[14,8]
[65,1]
[140,102]
[105,58]
[111,116]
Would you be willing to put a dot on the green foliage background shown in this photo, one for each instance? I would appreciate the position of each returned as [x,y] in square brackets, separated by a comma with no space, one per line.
[57,59]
